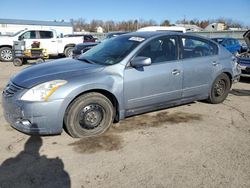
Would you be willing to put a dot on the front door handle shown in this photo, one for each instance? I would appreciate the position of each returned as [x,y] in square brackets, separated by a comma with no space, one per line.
[176,72]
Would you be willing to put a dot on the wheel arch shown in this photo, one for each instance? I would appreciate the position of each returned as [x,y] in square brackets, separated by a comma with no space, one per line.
[7,46]
[69,45]
[230,77]
[107,94]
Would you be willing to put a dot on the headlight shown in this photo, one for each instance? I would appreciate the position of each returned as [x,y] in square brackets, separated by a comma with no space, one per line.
[235,63]
[43,91]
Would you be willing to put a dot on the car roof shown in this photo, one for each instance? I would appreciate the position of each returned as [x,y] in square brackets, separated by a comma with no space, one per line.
[223,38]
[80,35]
[152,34]
[149,34]
[118,32]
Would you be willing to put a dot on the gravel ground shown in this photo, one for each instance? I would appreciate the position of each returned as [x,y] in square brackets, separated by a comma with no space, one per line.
[194,145]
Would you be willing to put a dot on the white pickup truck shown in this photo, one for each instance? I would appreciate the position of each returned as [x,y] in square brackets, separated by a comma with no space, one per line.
[49,40]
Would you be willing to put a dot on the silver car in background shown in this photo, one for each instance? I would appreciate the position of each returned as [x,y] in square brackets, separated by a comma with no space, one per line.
[123,76]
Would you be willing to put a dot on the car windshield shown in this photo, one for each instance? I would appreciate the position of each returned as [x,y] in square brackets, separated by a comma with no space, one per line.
[15,34]
[112,50]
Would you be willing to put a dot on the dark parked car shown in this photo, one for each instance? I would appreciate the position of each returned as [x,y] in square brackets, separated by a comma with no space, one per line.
[86,37]
[123,76]
[115,34]
[244,58]
[83,47]
[231,44]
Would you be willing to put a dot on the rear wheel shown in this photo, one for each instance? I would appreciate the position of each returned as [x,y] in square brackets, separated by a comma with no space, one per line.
[6,54]
[39,60]
[68,52]
[17,62]
[220,89]
[89,115]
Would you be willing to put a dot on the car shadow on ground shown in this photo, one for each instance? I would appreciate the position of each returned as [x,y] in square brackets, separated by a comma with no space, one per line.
[240,92]
[30,169]
[245,79]
[112,140]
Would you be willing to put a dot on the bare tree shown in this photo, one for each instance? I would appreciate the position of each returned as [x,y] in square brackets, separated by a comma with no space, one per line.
[133,25]
[165,23]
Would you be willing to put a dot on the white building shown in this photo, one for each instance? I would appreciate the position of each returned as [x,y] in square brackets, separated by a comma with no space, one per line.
[190,27]
[10,26]
[99,29]
[216,27]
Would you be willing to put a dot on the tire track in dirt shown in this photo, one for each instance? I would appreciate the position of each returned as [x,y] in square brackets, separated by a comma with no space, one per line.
[112,140]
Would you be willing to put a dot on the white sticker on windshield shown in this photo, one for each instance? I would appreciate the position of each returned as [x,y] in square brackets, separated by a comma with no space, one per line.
[138,39]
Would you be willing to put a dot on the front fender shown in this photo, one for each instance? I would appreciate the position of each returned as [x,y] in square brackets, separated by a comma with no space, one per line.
[74,88]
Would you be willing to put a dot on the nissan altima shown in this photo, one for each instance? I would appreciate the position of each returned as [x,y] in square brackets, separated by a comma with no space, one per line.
[126,75]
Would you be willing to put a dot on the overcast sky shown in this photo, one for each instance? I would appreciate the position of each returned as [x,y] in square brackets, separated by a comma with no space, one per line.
[119,10]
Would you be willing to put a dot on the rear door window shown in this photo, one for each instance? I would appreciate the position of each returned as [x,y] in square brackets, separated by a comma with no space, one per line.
[234,42]
[193,47]
[46,34]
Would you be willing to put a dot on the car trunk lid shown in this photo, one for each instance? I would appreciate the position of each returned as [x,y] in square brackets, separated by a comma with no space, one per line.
[246,37]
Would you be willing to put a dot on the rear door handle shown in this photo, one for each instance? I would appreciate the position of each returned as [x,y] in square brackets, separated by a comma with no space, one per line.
[176,72]
[215,63]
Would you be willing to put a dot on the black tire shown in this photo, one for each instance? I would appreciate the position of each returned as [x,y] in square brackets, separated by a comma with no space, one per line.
[89,115]
[6,54]
[39,60]
[220,89]
[68,52]
[17,62]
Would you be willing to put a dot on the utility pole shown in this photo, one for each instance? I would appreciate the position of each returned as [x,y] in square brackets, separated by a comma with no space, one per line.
[137,26]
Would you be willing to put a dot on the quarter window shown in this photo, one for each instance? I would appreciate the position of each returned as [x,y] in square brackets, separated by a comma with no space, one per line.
[194,47]
[160,50]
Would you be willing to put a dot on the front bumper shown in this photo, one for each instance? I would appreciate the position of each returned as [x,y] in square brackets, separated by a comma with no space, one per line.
[236,79]
[245,71]
[44,118]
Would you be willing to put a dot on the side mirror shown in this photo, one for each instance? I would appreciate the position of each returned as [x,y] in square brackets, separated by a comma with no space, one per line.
[141,61]
[20,38]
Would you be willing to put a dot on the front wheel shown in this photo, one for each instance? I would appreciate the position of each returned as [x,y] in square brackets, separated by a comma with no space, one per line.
[89,115]
[220,89]
[6,54]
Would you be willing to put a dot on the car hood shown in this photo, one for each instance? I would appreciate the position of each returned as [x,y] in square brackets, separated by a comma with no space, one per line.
[7,40]
[62,69]
[246,36]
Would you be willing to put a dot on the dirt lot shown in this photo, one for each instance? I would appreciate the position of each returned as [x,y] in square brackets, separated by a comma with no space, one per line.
[195,145]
